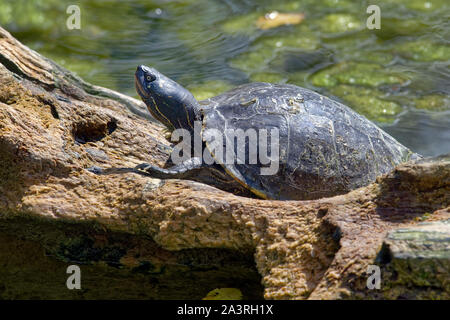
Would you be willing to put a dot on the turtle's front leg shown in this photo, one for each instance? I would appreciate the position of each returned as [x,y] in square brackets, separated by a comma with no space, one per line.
[184,170]
[181,171]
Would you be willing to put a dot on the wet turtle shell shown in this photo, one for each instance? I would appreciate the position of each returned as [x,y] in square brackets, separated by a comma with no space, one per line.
[325,148]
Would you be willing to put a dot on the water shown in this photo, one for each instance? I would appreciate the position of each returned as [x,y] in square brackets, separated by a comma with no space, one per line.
[397,76]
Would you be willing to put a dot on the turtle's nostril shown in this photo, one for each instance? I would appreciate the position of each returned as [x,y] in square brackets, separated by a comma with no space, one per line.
[140,70]
[143,68]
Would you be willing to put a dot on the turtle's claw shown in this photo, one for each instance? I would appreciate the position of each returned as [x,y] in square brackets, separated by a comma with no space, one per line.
[142,166]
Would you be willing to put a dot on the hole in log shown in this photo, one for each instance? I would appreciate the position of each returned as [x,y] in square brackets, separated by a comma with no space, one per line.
[91,131]
[112,126]
[322,212]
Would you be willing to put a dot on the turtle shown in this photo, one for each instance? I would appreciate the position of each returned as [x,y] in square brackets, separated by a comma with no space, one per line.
[324,148]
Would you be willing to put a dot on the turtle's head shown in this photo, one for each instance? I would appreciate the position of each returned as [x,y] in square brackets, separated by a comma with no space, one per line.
[168,102]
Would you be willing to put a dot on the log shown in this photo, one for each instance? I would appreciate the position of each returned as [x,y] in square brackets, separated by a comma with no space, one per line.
[180,239]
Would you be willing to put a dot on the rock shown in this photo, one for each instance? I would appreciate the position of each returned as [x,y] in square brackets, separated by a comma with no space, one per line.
[416,259]
[423,241]
[135,237]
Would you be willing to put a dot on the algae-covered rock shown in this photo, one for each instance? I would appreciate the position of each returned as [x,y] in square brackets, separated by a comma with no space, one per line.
[419,5]
[427,6]
[370,56]
[272,77]
[416,258]
[243,24]
[368,102]
[353,73]
[299,39]
[341,4]
[433,102]
[424,50]
[267,48]
[393,27]
[344,45]
[254,60]
[339,22]
[425,240]
[209,89]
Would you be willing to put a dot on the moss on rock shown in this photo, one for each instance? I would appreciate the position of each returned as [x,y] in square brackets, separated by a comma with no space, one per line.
[433,102]
[339,22]
[424,50]
[209,89]
[417,259]
[368,102]
[353,73]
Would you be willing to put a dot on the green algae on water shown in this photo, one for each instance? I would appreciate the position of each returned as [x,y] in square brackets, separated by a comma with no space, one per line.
[423,50]
[243,24]
[301,38]
[209,89]
[368,102]
[367,74]
[339,22]
[266,49]
[271,77]
[433,102]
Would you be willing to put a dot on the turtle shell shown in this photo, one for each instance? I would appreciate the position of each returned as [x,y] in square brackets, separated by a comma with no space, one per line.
[325,148]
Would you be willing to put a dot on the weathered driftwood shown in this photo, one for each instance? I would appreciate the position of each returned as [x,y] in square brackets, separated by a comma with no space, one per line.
[53,126]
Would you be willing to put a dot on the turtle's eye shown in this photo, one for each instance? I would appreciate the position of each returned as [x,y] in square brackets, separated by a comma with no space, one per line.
[150,78]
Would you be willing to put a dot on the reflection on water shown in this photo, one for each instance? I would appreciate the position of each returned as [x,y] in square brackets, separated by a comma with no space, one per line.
[423,132]
[398,76]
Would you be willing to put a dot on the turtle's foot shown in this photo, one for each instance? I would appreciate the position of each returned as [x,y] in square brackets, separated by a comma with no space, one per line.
[100,171]
[151,170]
[95,169]
[176,172]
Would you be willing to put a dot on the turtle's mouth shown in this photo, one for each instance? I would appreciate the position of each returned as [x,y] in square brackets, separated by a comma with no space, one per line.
[144,94]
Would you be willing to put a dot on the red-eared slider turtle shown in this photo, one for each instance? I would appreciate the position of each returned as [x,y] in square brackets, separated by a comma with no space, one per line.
[325,148]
